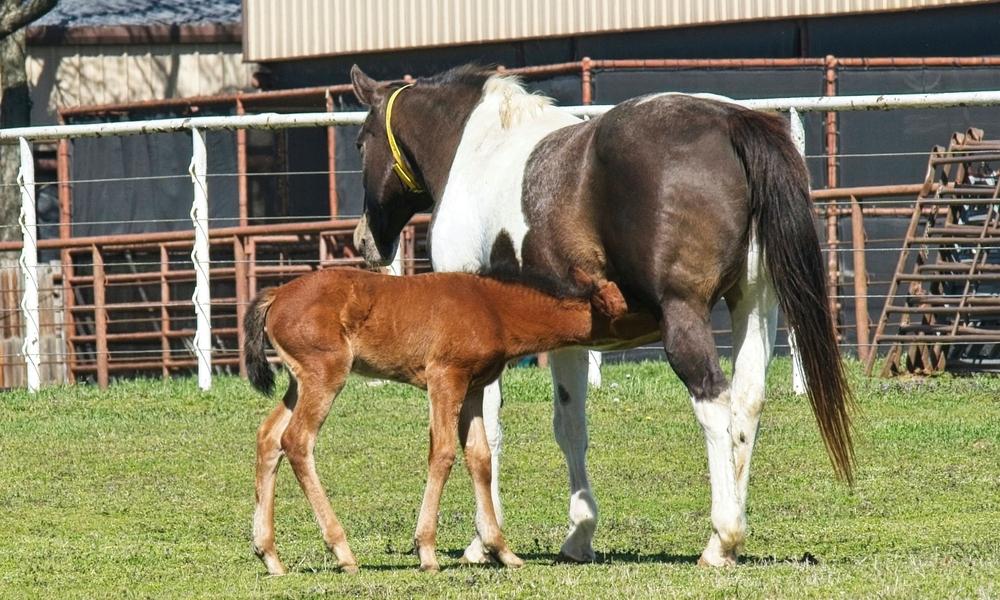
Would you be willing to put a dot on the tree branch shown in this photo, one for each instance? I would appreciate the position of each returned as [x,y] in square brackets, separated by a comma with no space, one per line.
[15,15]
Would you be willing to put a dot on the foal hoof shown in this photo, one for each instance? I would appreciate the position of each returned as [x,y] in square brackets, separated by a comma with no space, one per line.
[512,561]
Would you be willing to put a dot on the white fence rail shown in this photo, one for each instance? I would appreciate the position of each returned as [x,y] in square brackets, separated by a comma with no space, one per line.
[200,198]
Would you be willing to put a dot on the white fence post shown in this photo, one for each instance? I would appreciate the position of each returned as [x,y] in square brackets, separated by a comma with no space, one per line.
[31,347]
[200,257]
[798,133]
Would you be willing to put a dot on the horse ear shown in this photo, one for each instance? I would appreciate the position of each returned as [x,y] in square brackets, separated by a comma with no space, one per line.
[364,86]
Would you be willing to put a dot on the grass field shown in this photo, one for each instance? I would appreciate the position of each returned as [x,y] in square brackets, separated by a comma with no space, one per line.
[145,490]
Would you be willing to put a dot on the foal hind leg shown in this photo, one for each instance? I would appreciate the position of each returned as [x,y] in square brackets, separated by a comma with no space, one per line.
[569,382]
[268,458]
[319,385]
[687,339]
[472,436]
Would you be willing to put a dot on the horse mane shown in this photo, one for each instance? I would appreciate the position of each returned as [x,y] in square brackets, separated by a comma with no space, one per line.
[472,74]
[517,104]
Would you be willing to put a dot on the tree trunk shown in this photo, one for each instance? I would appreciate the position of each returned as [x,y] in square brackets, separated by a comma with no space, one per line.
[15,111]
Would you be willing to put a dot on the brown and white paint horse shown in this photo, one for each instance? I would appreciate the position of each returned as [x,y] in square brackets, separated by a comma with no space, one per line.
[681,201]
[328,324]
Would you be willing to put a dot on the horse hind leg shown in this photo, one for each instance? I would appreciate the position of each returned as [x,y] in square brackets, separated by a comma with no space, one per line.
[268,458]
[690,348]
[754,309]
[319,384]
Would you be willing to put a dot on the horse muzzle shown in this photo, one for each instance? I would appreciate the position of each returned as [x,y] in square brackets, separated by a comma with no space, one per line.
[365,243]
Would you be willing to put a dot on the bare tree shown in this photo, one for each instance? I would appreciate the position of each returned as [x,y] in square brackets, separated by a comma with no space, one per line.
[15,103]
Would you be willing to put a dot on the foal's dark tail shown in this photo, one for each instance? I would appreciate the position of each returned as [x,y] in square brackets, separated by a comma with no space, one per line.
[258,370]
[781,215]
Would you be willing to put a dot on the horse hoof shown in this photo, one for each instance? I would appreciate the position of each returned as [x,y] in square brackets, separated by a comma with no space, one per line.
[350,569]
[728,560]
[576,556]
[474,555]
[430,568]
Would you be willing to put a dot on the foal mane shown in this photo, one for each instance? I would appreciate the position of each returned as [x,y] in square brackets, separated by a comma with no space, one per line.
[545,284]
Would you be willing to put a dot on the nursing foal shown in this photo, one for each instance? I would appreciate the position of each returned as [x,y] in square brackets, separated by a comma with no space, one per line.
[448,333]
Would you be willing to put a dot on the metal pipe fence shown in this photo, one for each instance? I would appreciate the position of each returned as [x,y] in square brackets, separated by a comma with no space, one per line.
[272,252]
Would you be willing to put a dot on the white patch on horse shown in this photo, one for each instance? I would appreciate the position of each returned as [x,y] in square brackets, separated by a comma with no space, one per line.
[483,193]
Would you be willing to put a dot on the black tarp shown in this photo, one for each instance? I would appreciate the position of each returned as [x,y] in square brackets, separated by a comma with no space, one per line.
[140,183]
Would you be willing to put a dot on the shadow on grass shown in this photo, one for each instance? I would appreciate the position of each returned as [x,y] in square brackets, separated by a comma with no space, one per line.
[603,558]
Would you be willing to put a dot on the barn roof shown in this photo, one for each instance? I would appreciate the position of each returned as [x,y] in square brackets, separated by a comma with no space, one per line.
[98,13]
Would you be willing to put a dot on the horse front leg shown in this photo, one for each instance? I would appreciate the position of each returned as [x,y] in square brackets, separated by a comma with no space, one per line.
[491,400]
[569,385]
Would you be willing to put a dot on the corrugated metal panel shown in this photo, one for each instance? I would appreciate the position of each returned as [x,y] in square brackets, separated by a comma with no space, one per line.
[62,76]
[282,29]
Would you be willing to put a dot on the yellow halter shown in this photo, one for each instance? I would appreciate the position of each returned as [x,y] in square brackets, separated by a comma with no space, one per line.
[400,166]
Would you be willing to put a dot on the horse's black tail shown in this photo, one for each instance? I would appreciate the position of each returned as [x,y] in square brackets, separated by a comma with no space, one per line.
[782,217]
[258,370]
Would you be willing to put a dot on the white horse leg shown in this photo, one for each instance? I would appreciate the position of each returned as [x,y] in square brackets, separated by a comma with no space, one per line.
[728,521]
[492,399]
[754,309]
[595,359]
[569,382]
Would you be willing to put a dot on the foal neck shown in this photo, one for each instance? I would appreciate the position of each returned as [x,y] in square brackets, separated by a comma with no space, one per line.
[533,321]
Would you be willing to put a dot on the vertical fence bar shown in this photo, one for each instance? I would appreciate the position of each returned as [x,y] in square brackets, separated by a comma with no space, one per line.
[331,160]
[242,295]
[832,215]
[31,346]
[860,278]
[798,133]
[200,258]
[65,256]
[165,352]
[594,357]
[241,169]
[100,317]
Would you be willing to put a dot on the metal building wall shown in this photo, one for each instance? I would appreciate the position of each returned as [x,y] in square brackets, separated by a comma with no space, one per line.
[284,29]
[63,76]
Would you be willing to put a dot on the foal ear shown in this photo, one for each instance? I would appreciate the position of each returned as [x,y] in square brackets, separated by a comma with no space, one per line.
[364,86]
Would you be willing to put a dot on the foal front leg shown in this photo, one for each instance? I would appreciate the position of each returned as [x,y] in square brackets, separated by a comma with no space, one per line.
[447,393]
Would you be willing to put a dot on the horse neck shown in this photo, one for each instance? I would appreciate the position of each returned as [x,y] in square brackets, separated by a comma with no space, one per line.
[429,123]
[532,321]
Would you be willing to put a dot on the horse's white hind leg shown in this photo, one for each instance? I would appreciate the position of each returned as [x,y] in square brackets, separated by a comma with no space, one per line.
[569,382]
[492,399]
[753,306]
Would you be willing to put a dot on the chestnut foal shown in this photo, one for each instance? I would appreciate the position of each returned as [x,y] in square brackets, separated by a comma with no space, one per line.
[448,333]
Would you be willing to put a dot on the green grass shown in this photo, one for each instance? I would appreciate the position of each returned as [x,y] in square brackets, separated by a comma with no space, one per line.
[145,490]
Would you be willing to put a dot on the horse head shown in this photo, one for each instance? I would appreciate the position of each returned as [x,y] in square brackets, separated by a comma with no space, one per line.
[394,190]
